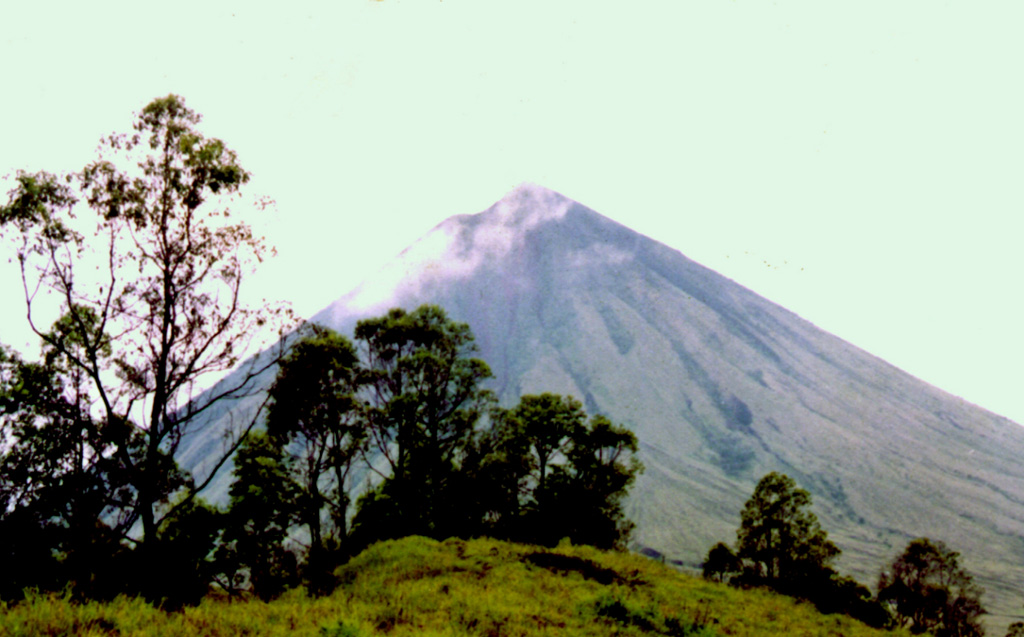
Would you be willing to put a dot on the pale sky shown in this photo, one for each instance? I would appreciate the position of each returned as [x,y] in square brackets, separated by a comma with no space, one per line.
[858,163]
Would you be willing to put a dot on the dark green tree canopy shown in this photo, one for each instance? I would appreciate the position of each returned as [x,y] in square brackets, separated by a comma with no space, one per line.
[551,425]
[313,396]
[780,539]
[560,474]
[253,554]
[721,564]
[422,394]
[59,486]
[313,414]
[927,590]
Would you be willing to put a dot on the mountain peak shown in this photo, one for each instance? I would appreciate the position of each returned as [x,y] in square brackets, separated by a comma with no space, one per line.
[455,248]
[528,205]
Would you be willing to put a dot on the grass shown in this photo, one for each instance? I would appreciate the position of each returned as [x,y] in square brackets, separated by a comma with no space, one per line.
[417,586]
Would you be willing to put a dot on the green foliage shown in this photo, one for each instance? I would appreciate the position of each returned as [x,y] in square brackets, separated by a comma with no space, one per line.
[252,554]
[139,251]
[602,465]
[721,564]
[927,590]
[56,486]
[422,396]
[550,424]
[841,594]
[315,418]
[780,545]
[418,586]
[180,567]
[779,540]
[551,474]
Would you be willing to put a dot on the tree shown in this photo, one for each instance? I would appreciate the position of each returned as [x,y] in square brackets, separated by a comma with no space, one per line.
[422,395]
[550,424]
[314,416]
[56,485]
[559,475]
[496,479]
[180,565]
[927,590]
[779,540]
[721,564]
[602,464]
[141,254]
[781,545]
[252,553]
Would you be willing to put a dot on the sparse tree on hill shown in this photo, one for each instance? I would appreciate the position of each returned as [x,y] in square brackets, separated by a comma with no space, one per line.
[927,590]
[780,541]
[781,545]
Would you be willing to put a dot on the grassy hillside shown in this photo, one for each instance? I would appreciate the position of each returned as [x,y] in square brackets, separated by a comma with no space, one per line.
[418,586]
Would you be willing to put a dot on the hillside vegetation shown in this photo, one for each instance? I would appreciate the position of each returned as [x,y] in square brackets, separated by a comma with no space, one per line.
[418,586]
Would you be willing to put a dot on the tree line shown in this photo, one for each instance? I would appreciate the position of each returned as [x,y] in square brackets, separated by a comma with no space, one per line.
[399,417]
[780,545]
[401,410]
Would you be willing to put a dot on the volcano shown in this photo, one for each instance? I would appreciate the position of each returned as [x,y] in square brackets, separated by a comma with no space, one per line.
[720,386]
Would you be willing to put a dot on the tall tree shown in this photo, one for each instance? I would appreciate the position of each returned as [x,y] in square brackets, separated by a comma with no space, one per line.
[421,387]
[313,414]
[141,253]
[927,590]
[779,539]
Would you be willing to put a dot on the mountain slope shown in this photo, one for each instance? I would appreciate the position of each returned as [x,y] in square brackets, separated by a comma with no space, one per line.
[720,385]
